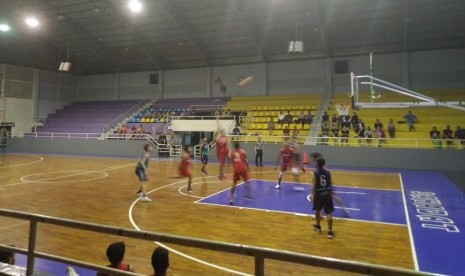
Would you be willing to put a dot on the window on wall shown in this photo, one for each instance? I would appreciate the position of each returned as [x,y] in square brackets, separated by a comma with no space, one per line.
[153,78]
[341,67]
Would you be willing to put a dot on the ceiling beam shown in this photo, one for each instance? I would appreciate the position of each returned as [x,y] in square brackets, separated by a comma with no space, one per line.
[251,32]
[322,28]
[138,38]
[406,23]
[74,29]
[193,37]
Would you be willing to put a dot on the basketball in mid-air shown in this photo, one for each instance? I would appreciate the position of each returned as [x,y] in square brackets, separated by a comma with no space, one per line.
[244,81]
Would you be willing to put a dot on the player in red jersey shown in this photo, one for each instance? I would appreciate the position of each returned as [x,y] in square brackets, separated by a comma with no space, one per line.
[221,148]
[287,156]
[240,169]
[184,168]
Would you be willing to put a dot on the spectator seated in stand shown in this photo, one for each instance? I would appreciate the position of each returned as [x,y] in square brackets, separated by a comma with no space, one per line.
[368,135]
[288,119]
[280,117]
[335,131]
[380,136]
[309,118]
[325,117]
[447,135]
[236,130]
[115,255]
[300,119]
[354,120]
[140,129]
[334,119]
[435,136]
[460,135]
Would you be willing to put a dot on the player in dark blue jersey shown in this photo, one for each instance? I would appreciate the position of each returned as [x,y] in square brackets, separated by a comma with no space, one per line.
[141,172]
[322,196]
[204,154]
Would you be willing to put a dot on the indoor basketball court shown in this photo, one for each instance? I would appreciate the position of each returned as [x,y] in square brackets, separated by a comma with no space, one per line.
[391,220]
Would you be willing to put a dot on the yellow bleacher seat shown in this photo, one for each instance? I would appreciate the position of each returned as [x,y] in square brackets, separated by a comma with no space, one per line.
[152,120]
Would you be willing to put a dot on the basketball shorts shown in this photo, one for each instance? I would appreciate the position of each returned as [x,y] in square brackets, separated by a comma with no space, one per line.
[140,172]
[238,175]
[185,173]
[323,201]
[204,159]
[221,157]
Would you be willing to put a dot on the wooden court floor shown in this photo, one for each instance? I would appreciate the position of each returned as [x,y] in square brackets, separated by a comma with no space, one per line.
[102,190]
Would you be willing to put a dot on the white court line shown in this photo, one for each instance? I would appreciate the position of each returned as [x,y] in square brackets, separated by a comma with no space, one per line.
[174,250]
[412,242]
[355,193]
[180,188]
[69,181]
[24,164]
[69,175]
[353,209]
[362,172]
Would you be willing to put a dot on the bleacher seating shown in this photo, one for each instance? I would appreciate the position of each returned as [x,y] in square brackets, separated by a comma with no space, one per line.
[85,117]
[261,108]
[427,116]
[154,118]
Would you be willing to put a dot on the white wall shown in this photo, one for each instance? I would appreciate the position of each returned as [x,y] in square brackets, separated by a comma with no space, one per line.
[21,112]
[230,76]
[55,91]
[98,88]
[112,87]
[437,69]
[19,90]
[186,83]
[298,77]
[136,86]
[444,69]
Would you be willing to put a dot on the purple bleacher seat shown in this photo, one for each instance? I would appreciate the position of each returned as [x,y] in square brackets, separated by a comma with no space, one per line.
[85,117]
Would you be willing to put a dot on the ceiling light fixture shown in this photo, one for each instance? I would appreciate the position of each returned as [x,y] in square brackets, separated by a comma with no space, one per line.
[65,66]
[4,27]
[32,22]
[135,6]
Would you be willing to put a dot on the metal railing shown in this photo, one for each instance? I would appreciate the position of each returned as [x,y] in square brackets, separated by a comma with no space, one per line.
[413,143]
[258,253]
[210,117]
[54,135]
[118,119]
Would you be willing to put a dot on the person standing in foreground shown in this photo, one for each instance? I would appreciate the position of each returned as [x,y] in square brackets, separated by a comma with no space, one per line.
[321,197]
[142,171]
[259,152]
[204,154]
[240,169]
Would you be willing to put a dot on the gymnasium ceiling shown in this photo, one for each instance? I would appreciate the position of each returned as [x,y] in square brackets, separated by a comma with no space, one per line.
[103,36]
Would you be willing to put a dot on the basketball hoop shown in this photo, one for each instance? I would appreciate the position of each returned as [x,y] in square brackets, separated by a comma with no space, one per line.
[342,109]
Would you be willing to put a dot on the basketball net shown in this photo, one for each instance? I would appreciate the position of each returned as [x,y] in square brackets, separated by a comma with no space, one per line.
[342,109]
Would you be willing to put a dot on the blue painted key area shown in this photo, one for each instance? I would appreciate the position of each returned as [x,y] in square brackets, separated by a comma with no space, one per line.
[46,267]
[436,208]
[385,206]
